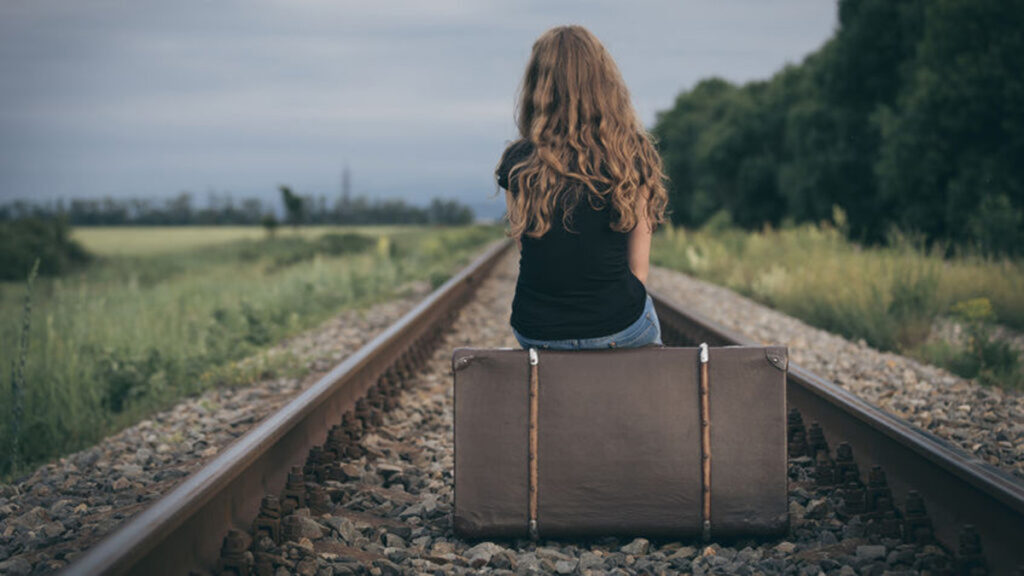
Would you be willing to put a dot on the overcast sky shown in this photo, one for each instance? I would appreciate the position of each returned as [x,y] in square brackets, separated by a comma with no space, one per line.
[147,99]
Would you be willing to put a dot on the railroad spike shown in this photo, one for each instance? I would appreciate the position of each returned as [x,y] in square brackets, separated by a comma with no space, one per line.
[854,499]
[319,501]
[351,426]
[291,528]
[797,434]
[846,467]
[879,496]
[969,560]
[824,470]
[888,526]
[265,564]
[294,495]
[313,461]
[816,440]
[268,521]
[235,557]
[362,412]
[354,451]
[917,526]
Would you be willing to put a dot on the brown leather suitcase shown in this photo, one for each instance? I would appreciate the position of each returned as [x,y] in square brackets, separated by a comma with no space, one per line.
[593,443]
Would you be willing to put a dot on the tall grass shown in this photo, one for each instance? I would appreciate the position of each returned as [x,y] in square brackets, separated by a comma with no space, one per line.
[887,296]
[131,335]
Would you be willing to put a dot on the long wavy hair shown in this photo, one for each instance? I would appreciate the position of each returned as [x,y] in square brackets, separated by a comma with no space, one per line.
[575,109]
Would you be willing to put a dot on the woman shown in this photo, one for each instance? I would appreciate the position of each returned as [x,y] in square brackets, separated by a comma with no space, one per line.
[584,192]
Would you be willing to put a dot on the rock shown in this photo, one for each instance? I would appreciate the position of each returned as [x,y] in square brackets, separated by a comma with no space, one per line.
[785,547]
[870,552]
[388,470]
[796,511]
[306,567]
[683,552]
[816,509]
[590,560]
[344,527]
[481,554]
[351,471]
[32,519]
[397,555]
[16,566]
[527,563]
[394,541]
[504,560]
[637,547]
[52,529]
[549,553]
[297,527]
[566,566]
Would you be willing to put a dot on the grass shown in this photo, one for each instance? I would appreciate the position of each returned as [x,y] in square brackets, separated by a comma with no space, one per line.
[141,328]
[888,296]
[149,240]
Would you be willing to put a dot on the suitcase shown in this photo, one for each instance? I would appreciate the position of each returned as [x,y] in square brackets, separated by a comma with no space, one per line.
[610,442]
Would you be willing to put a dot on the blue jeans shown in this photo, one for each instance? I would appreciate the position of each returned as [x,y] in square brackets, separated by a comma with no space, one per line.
[646,330]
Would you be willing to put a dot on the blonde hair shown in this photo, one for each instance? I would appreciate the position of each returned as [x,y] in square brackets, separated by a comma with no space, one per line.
[575,109]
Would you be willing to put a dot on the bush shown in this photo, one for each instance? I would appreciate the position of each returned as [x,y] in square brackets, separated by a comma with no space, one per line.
[990,361]
[286,252]
[21,241]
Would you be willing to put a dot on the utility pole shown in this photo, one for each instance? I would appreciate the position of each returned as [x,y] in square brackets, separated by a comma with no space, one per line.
[346,186]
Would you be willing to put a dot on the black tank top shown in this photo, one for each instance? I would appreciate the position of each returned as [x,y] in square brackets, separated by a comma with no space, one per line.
[572,283]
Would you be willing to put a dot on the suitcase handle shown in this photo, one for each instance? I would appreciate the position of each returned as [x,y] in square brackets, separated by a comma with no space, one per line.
[534,441]
[705,439]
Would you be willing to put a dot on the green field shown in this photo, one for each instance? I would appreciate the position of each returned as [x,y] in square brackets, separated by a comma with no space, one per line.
[889,296]
[168,312]
[147,240]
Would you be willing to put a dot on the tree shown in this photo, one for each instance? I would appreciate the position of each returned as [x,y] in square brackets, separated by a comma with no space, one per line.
[911,114]
[269,222]
[293,205]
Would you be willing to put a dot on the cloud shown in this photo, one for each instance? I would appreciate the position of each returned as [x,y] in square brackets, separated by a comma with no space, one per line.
[133,98]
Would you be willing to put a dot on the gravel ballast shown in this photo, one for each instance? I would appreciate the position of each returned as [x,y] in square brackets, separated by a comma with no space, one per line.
[391,515]
[392,512]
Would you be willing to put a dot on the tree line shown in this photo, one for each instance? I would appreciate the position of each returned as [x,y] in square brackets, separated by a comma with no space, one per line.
[223,209]
[911,116]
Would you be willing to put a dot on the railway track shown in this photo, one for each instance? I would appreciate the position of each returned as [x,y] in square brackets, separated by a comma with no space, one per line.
[898,482]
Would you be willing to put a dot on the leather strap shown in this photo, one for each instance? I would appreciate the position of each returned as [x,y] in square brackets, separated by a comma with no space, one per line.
[705,440]
[534,387]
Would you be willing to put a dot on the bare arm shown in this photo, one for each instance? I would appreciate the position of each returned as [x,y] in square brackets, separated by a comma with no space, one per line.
[639,245]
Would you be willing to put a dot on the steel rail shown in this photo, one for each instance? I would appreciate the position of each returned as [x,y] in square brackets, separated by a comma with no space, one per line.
[182,532]
[958,488]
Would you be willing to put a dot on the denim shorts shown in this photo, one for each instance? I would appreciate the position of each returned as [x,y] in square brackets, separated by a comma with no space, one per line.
[646,330]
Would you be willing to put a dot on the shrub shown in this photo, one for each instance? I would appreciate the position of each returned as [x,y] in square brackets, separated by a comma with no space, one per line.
[22,241]
[990,361]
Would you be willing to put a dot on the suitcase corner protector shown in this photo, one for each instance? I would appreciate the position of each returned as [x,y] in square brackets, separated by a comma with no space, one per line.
[777,356]
[461,358]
